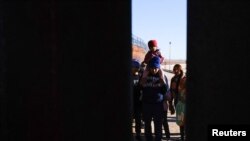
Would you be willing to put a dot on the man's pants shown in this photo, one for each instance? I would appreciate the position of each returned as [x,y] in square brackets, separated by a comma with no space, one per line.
[155,112]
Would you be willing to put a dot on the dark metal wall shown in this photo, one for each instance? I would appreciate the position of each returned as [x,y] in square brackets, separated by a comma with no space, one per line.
[65,69]
[218,66]
[68,70]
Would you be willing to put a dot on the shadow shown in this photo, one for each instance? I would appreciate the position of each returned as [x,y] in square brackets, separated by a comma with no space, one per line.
[173,137]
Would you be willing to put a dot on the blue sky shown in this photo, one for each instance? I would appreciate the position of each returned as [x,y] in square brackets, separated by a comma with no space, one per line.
[164,21]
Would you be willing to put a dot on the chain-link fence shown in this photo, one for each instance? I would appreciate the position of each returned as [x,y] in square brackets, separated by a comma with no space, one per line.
[139,42]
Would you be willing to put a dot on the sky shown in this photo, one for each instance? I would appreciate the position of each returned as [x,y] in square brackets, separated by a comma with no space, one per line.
[164,21]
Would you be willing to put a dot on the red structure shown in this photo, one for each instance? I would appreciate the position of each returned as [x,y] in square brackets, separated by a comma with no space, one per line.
[139,48]
[138,52]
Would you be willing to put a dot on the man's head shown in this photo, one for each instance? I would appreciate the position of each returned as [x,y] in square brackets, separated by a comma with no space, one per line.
[135,66]
[154,65]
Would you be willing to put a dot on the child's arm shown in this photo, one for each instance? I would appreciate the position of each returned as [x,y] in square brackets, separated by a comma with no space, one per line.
[161,57]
